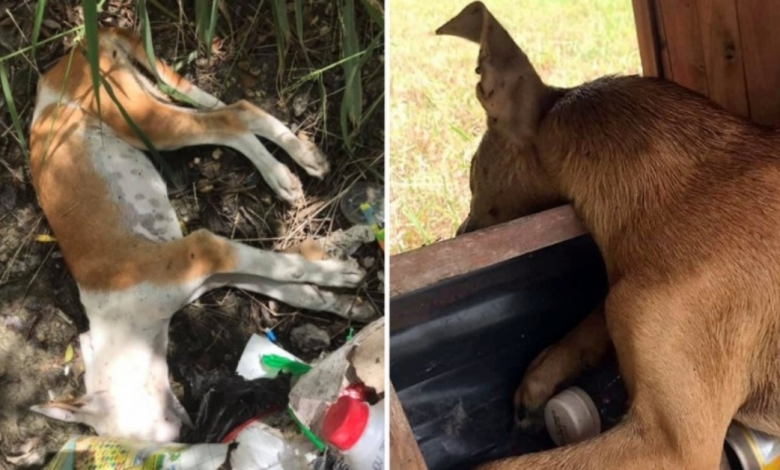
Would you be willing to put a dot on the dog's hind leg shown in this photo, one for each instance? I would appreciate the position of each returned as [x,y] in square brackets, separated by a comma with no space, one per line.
[680,406]
[578,351]
[305,296]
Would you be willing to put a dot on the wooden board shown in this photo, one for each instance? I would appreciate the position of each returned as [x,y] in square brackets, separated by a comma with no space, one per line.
[759,22]
[451,258]
[404,452]
[680,25]
[721,46]
[646,24]
[724,49]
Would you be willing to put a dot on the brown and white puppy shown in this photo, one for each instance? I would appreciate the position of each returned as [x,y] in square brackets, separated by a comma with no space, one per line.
[683,201]
[119,235]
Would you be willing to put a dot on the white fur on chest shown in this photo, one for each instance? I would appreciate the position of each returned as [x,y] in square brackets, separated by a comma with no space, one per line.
[134,184]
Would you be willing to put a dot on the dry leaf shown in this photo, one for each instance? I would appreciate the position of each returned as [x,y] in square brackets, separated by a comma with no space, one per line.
[68,354]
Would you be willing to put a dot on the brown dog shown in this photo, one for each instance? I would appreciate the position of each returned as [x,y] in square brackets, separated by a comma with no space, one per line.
[683,200]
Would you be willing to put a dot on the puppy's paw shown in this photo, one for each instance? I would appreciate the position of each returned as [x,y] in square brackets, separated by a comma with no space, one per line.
[284,183]
[341,273]
[530,421]
[357,309]
[530,399]
[538,385]
[311,159]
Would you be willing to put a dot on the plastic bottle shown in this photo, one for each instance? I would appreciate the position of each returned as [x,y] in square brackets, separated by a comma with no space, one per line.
[596,403]
[357,430]
[748,449]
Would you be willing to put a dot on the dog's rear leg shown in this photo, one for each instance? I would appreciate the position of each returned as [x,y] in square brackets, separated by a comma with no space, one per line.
[305,296]
[631,445]
[579,350]
[194,259]
[674,423]
[673,357]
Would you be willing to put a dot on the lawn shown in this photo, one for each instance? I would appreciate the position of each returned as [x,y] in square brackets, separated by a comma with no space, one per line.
[435,119]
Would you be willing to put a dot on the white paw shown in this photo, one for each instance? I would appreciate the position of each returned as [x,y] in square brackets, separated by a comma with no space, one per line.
[312,160]
[360,310]
[284,183]
[339,273]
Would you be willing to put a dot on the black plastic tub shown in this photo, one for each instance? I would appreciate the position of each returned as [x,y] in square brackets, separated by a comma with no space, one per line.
[459,347]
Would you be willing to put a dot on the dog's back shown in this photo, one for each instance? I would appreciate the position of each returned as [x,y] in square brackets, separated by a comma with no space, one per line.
[683,199]
[659,167]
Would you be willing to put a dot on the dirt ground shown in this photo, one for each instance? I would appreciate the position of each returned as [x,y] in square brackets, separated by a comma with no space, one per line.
[40,313]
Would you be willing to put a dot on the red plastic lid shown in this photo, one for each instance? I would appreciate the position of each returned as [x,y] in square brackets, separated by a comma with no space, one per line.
[345,422]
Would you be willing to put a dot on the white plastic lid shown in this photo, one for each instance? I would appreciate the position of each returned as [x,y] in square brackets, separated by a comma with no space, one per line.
[571,417]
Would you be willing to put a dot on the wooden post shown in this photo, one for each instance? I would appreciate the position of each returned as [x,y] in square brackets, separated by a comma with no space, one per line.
[404,453]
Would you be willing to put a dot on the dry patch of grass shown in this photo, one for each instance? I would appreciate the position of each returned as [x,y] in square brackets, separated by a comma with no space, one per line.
[435,119]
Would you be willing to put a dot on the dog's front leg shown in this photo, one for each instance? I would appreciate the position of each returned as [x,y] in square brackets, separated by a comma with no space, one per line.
[579,350]
[261,123]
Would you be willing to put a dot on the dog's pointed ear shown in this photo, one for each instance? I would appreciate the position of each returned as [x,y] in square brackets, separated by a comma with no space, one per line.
[509,89]
[77,410]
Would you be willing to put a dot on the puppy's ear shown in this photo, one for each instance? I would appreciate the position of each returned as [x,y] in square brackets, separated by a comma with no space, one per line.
[509,89]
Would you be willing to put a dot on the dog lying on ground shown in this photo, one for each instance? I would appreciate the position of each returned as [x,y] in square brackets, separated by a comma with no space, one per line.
[683,200]
[109,210]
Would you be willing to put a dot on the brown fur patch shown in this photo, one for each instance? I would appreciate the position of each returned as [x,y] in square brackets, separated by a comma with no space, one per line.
[99,250]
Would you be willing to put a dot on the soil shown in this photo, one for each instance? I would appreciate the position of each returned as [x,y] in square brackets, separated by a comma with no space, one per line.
[218,189]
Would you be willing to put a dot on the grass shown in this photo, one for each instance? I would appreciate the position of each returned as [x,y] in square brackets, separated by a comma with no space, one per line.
[435,119]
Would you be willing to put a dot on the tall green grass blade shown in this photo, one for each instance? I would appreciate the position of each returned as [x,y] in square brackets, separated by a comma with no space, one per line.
[282,26]
[24,50]
[417,225]
[369,112]
[298,5]
[460,133]
[318,73]
[206,22]
[91,38]
[39,9]
[200,16]
[368,52]
[146,35]
[374,12]
[9,100]
[148,45]
[352,101]
[212,26]
[323,105]
[164,10]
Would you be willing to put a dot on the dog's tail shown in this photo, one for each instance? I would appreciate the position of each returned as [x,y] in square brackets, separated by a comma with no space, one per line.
[130,45]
